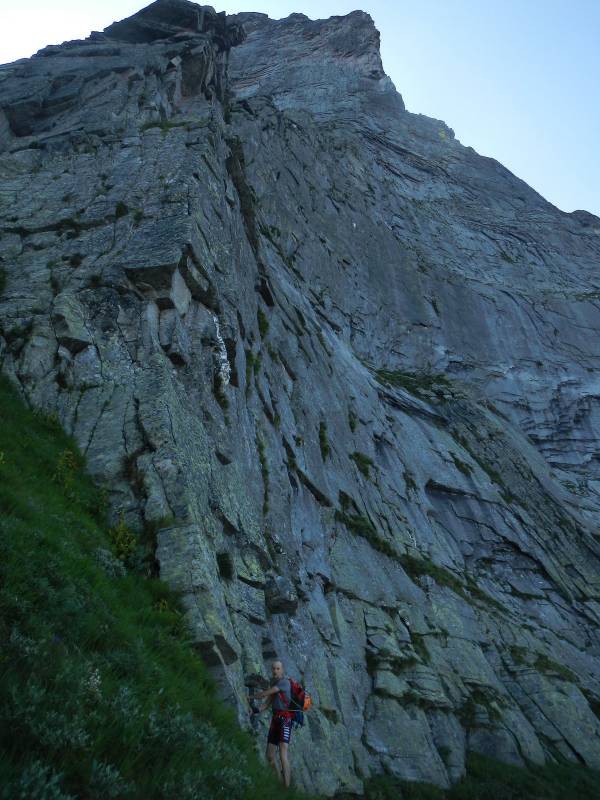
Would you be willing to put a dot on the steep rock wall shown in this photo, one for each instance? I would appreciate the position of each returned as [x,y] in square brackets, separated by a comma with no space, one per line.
[346,366]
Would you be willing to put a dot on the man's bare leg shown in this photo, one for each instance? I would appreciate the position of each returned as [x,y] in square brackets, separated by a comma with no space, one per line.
[272,759]
[285,764]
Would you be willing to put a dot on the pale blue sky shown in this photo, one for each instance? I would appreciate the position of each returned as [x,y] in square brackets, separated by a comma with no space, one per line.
[518,80]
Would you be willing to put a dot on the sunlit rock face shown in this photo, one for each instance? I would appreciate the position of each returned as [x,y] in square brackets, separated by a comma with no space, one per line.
[346,367]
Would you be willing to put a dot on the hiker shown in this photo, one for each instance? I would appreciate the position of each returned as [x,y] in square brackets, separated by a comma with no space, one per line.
[278,697]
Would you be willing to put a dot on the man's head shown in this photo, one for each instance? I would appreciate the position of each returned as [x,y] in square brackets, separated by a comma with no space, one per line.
[277,670]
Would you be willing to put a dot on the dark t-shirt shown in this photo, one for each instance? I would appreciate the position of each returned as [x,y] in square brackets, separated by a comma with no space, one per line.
[284,686]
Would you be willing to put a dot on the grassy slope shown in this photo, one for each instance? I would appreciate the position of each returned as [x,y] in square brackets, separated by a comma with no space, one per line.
[492,780]
[101,695]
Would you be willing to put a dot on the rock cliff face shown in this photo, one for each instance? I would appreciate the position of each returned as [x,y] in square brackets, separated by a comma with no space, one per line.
[345,365]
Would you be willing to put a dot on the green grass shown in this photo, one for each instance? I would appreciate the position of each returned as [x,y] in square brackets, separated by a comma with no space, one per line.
[488,779]
[484,697]
[361,526]
[273,353]
[264,469]
[417,641]
[479,594]
[236,168]
[468,590]
[362,461]
[263,322]
[465,468]
[547,665]
[415,382]
[520,655]
[101,693]
[324,440]
[416,567]
[492,473]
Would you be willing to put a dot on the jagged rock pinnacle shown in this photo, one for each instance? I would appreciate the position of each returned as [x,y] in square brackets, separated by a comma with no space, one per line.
[166,18]
[329,67]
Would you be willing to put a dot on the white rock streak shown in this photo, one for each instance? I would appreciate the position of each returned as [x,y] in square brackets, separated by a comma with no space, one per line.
[221,350]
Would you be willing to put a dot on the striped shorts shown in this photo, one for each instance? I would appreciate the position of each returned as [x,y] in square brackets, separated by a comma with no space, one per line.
[280,730]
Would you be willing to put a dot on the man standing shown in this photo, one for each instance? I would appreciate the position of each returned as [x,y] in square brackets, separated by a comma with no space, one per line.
[278,696]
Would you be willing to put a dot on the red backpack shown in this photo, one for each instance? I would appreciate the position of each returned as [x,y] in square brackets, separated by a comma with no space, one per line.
[300,701]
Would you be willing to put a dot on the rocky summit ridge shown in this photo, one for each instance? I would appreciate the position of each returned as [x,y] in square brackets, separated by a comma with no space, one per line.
[346,366]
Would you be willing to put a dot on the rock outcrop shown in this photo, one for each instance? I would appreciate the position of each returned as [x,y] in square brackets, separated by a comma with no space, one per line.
[346,366]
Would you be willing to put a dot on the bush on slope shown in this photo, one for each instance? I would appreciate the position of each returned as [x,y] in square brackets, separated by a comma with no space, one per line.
[101,694]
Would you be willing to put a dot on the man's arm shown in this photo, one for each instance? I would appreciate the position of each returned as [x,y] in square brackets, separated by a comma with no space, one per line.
[267,703]
[266,692]
[269,694]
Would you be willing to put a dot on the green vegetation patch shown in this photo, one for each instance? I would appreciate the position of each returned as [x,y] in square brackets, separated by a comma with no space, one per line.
[236,168]
[520,655]
[549,666]
[264,469]
[488,779]
[121,210]
[486,698]
[363,462]
[507,257]
[417,641]
[323,440]
[101,693]
[253,365]
[352,420]
[467,589]
[465,468]
[479,594]
[492,473]
[417,567]
[415,382]
[249,366]
[263,322]
[361,526]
